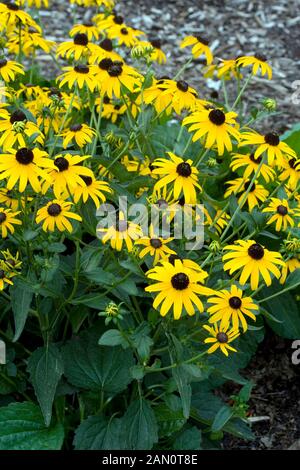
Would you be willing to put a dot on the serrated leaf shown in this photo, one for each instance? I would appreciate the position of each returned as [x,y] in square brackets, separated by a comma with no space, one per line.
[22,427]
[140,426]
[188,439]
[99,433]
[45,367]
[113,338]
[169,421]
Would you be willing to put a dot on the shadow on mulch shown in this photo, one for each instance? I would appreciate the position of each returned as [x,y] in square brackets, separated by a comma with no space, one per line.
[276,395]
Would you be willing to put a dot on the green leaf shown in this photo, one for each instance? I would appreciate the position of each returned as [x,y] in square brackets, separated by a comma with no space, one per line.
[22,427]
[142,341]
[45,367]
[99,433]
[140,426]
[188,439]
[184,389]
[284,308]
[113,338]
[21,298]
[245,392]
[96,301]
[222,417]
[169,420]
[93,367]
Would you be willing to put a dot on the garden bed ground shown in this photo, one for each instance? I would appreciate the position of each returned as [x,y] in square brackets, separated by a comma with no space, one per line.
[233,27]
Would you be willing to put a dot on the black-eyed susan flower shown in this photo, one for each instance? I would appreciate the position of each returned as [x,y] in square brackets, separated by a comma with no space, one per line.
[228,68]
[290,266]
[9,69]
[230,307]
[158,54]
[80,75]
[256,194]
[88,28]
[15,129]
[177,287]
[8,198]
[79,48]
[67,174]
[258,62]
[220,338]
[253,260]
[282,214]
[183,96]
[25,166]
[92,189]
[121,232]
[105,50]
[82,134]
[124,34]
[270,143]
[110,110]
[7,221]
[155,246]
[180,173]
[31,40]
[38,3]
[5,275]
[290,172]
[12,261]
[250,165]
[217,126]
[157,96]
[200,47]
[56,214]
[113,75]
[190,264]
[12,15]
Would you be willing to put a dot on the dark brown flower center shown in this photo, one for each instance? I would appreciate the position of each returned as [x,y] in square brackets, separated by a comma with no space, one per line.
[222,337]
[180,281]
[105,64]
[184,169]
[54,210]
[256,251]
[61,163]
[106,100]
[106,44]
[24,156]
[217,117]
[12,6]
[247,184]
[292,163]
[282,210]
[2,217]
[182,86]
[255,160]
[202,39]
[54,91]
[181,201]
[81,69]
[235,302]
[88,24]
[3,63]
[118,19]
[2,274]
[155,243]
[260,57]
[117,107]
[155,43]
[124,31]
[87,179]
[172,259]
[81,39]
[76,127]
[17,116]
[272,139]
[115,70]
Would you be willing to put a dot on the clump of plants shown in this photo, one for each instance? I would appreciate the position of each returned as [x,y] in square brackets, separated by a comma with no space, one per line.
[116,331]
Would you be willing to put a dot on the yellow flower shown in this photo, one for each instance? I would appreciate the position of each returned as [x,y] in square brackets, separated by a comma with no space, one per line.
[80,75]
[258,63]
[93,189]
[269,143]
[123,231]
[231,307]
[256,194]
[104,51]
[156,95]
[80,47]
[220,338]
[31,40]
[25,166]
[183,96]
[5,275]
[228,68]
[9,69]
[67,174]
[12,261]
[290,266]
[11,15]
[87,28]
[250,165]
[180,173]
[290,170]
[281,214]
[217,126]
[157,55]
[111,76]
[253,260]
[155,246]
[7,198]
[124,34]
[16,129]
[200,47]
[55,215]
[7,221]
[80,133]
[177,286]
